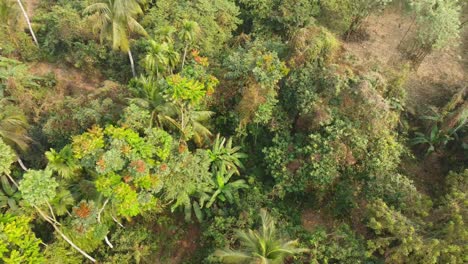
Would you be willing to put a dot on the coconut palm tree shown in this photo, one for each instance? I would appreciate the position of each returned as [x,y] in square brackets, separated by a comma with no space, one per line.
[192,124]
[161,57]
[13,126]
[115,19]
[156,59]
[263,246]
[187,34]
[150,96]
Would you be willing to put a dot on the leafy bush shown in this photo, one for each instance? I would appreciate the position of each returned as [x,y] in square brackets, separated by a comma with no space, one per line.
[340,246]
[38,187]
[18,242]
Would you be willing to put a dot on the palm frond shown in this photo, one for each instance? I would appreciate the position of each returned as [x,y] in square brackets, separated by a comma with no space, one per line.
[135,27]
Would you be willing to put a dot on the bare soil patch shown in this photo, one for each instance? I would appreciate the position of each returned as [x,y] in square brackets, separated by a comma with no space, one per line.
[311,219]
[439,76]
[69,80]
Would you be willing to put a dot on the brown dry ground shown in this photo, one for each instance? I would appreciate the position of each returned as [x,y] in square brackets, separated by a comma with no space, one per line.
[439,76]
[69,79]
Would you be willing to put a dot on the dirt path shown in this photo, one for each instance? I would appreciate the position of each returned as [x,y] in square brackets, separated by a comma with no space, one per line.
[440,74]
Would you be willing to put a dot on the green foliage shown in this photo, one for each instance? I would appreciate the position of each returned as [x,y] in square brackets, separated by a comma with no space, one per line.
[438,22]
[177,102]
[8,191]
[13,125]
[187,176]
[60,252]
[160,58]
[263,245]
[340,246]
[7,158]
[136,118]
[9,194]
[134,245]
[59,28]
[314,45]
[183,89]
[312,162]
[159,137]
[18,244]
[442,129]
[280,17]
[73,115]
[216,20]
[400,192]
[62,162]
[224,189]
[224,156]
[126,162]
[437,26]
[257,71]
[38,187]
[15,41]
[436,239]
[116,21]
[346,16]
[125,165]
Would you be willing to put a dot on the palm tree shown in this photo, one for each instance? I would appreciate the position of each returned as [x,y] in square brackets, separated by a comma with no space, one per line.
[13,126]
[175,115]
[161,57]
[62,162]
[156,57]
[187,34]
[166,34]
[192,124]
[115,19]
[151,97]
[261,246]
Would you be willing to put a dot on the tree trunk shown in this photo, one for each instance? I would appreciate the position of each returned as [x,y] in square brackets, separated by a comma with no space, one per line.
[131,62]
[22,164]
[185,55]
[27,21]
[406,33]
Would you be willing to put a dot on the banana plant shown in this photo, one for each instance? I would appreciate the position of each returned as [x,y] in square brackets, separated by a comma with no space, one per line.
[219,189]
[437,137]
[9,194]
[225,190]
[224,156]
